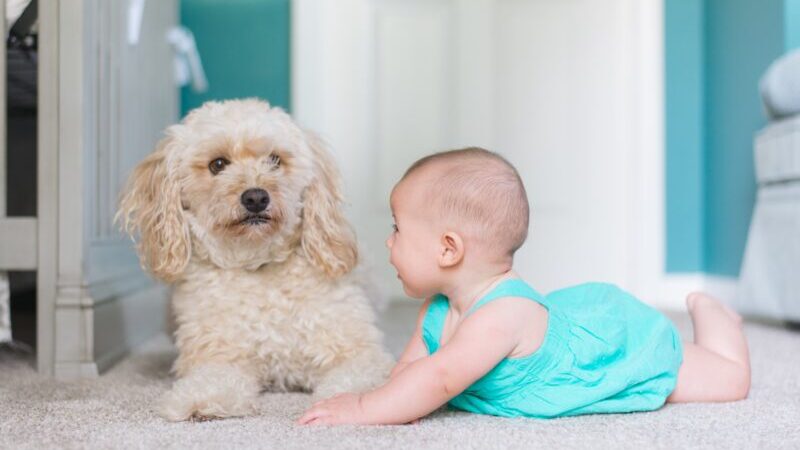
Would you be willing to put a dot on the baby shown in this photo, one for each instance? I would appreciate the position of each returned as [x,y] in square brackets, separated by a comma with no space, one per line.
[487,342]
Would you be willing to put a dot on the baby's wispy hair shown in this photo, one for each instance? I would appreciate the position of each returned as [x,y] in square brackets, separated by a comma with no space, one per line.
[479,190]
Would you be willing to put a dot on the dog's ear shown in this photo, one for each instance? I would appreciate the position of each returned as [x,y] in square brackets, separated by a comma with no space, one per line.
[327,238]
[150,205]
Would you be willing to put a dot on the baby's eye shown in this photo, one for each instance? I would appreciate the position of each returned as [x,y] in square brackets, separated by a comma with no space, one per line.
[394,228]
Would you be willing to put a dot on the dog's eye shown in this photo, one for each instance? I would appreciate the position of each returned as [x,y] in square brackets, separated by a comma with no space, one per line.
[275,160]
[218,165]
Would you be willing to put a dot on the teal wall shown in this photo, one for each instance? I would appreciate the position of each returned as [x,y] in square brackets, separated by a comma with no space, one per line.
[684,84]
[715,53]
[245,48]
[792,23]
[742,38]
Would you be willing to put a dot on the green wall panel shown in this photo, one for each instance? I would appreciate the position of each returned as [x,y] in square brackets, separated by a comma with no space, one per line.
[245,48]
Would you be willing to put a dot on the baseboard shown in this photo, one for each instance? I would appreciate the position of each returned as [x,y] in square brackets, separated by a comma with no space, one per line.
[669,292]
[75,370]
[672,289]
[722,287]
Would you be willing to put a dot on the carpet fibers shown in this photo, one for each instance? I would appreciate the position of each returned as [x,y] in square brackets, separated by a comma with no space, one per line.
[116,410]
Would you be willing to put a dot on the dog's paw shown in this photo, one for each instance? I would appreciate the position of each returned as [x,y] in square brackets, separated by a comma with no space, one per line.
[197,417]
[176,407]
[210,392]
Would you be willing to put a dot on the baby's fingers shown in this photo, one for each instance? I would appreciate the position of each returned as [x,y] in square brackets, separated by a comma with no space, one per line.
[311,415]
[327,420]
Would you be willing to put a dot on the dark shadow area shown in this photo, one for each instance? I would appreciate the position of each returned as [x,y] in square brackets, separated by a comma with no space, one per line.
[23,307]
[21,85]
[21,159]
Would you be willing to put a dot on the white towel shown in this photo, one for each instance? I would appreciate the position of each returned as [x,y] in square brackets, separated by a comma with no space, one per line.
[780,86]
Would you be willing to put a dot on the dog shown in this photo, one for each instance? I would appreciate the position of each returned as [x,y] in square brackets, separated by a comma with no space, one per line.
[239,209]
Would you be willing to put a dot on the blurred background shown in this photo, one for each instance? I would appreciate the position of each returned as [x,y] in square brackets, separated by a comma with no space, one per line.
[658,139]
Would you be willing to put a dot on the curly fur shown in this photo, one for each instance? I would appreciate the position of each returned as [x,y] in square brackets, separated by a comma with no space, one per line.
[272,305]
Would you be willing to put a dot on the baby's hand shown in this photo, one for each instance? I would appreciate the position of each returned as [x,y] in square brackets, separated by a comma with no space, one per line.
[337,410]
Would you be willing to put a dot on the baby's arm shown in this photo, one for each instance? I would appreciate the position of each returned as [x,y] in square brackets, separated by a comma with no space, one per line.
[478,345]
[415,349]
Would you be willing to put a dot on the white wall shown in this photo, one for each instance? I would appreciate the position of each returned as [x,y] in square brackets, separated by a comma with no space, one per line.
[569,91]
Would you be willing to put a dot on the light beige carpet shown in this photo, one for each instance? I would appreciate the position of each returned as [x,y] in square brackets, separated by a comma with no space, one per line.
[115,411]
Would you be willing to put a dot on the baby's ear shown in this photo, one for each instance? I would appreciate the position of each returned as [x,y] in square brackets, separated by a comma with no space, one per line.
[150,206]
[328,240]
[452,249]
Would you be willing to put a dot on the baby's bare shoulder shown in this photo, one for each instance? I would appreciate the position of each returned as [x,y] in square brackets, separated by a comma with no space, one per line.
[524,319]
[511,312]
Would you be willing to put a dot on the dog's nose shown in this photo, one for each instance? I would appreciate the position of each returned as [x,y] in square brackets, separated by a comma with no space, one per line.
[255,200]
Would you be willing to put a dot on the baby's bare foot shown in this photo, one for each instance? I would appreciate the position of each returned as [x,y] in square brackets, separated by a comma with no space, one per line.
[700,300]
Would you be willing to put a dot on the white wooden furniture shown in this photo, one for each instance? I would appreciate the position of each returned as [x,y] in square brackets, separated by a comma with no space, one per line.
[102,106]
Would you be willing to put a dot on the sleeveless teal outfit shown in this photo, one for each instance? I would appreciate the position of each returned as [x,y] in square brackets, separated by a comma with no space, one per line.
[604,351]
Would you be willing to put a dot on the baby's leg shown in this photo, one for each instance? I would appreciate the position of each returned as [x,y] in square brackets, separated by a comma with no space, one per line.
[716,367]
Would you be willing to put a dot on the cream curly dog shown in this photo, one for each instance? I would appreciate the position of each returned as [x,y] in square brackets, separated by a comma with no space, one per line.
[239,209]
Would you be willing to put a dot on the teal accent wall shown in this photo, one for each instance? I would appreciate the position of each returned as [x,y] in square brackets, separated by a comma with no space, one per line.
[684,84]
[245,48]
[715,53]
[742,38]
[792,24]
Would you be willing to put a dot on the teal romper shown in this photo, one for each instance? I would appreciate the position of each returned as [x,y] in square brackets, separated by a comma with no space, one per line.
[604,351]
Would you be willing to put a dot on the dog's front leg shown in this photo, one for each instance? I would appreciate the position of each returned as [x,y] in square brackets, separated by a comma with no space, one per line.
[367,370]
[209,391]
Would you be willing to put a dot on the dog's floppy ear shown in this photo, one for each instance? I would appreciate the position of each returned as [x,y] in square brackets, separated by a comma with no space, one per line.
[327,238]
[150,205]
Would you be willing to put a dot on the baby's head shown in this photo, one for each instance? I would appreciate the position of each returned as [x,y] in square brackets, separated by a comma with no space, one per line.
[465,206]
